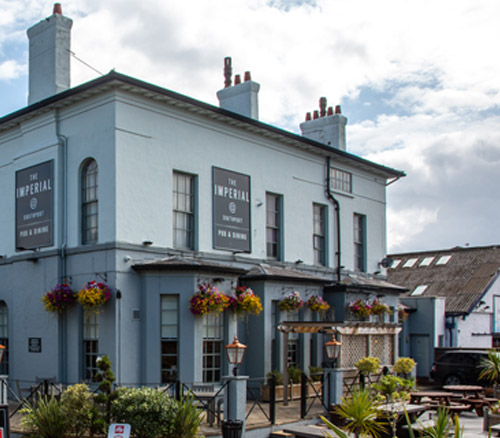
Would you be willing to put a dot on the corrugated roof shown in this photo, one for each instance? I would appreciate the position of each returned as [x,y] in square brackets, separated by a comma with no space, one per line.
[462,280]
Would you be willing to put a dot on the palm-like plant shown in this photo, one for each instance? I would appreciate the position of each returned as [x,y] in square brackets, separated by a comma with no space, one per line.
[490,368]
[442,426]
[361,415]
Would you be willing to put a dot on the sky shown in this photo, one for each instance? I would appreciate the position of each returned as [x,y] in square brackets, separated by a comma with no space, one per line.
[419,82]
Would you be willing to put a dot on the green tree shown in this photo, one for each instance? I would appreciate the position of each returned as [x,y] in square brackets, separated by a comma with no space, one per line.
[101,412]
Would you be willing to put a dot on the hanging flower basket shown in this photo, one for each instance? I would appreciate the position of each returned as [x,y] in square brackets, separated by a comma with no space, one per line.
[360,308]
[94,295]
[61,297]
[379,308]
[244,301]
[317,304]
[208,300]
[291,302]
[402,314]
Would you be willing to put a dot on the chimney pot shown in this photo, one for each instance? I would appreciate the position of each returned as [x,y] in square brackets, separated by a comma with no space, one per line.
[322,106]
[308,116]
[247,76]
[237,80]
[316,114]
[57,8]
[338,109]
[330,111]
[228,71]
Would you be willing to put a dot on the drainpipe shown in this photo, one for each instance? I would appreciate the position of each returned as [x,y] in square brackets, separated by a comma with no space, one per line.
[336,204]
[62,265]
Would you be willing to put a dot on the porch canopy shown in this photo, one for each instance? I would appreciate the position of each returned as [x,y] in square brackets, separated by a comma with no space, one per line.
[342,328]
[329,328]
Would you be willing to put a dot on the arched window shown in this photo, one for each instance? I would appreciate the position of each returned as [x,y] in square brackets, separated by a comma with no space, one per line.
[4,337]
[89,202]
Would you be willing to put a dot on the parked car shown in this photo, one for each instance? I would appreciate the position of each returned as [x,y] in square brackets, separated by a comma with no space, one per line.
[459,367]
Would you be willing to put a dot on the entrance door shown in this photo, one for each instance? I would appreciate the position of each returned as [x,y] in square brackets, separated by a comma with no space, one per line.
[419,351]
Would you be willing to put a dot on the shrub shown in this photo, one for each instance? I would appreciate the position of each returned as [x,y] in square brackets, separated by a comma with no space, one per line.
[77,404]
[187,419]
[45,420]
[368,365]
[315,373]
[277,375]
[294,374]
[404,365]
[149,412]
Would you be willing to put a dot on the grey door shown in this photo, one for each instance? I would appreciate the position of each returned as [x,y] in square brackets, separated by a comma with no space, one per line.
[419,351]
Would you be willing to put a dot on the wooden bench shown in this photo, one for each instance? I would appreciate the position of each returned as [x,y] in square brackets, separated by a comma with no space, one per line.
[302,431]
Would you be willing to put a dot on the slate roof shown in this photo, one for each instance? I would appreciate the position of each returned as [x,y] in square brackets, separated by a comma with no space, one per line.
[117,81]
[461,275]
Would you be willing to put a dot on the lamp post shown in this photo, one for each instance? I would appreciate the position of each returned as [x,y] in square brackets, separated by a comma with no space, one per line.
[332,349]
[235,352]
[333,377]
[236,393]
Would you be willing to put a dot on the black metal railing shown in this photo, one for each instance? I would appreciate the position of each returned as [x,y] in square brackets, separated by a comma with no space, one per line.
[255,389]
[309,392]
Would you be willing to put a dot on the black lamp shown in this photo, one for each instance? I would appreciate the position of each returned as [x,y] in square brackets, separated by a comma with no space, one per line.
[235,352]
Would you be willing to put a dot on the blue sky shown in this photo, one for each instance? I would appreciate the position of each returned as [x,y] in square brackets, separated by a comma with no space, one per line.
[418,81]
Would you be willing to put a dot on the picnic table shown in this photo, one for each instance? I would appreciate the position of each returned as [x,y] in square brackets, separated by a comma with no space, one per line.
[439,399]
[476,390]
[474,395]
[442,397]
[395,412]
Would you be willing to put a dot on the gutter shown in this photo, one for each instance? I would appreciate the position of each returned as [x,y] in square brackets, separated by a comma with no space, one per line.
[62,265]
[336,205]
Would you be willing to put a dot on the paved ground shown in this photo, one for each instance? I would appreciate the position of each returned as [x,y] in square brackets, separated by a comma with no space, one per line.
[258,426]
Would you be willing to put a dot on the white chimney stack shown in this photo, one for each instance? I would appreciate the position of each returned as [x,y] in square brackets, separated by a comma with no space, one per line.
[241,98]
[49,56]
[326,126]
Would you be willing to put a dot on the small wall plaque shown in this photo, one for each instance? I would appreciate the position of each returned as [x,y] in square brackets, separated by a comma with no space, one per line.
[35,345]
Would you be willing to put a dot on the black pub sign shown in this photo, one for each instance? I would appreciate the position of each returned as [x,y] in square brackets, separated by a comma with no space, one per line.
[34,206]
[231,210]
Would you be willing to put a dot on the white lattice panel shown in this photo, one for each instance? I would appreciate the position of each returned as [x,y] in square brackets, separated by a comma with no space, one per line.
[354,348]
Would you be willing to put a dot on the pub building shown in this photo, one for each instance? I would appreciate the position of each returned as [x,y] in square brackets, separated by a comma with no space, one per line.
[152,195]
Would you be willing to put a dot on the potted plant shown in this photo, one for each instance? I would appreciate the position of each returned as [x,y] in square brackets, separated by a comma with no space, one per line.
[360,308]
[404,366]
[244,302]
[60,298]
[317,304]
[294,375]
[380,309]
[402,314]
[208,300]
[93,296]
[291,302]
[366,366]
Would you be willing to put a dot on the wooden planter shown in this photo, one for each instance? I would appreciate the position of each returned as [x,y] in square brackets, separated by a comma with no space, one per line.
[490,420]
[293,391]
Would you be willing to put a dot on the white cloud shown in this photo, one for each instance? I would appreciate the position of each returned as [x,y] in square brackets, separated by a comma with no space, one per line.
[430,66]
[10,70]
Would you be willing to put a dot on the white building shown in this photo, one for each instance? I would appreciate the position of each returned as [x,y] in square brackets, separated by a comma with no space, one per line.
[154,193]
